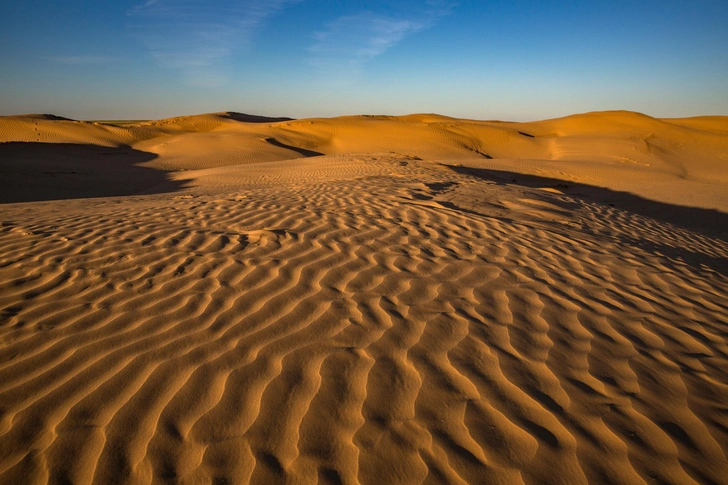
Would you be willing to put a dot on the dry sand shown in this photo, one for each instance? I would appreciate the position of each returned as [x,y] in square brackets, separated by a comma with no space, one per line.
[420,299]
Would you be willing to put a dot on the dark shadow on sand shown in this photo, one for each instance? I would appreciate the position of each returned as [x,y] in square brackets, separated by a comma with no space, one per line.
[302,151]
[706,222]
[52,171]
[246,118]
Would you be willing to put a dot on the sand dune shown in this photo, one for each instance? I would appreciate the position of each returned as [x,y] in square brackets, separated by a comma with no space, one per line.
[432,300]
[676,161]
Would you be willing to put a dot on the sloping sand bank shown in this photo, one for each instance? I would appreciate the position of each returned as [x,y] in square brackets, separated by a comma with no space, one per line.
[368,318]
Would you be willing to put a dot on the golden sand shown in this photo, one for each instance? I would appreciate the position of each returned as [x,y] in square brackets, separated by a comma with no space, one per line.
[376,300]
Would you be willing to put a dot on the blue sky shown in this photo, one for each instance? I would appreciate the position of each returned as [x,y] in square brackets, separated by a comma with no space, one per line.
[516,60]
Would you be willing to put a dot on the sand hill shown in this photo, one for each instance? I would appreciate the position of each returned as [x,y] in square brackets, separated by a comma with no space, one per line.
[226,298]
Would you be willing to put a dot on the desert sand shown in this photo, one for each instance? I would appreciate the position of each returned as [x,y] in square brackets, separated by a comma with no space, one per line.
[224,299]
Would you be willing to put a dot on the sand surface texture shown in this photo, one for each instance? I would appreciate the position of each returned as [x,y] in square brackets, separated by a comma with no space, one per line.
[225,299]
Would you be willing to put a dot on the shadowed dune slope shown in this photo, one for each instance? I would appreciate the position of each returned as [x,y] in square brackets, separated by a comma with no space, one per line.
[361,319]
[31,171]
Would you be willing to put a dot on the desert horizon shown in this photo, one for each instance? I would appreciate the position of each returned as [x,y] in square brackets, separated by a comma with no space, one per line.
[649,147]
[229,298]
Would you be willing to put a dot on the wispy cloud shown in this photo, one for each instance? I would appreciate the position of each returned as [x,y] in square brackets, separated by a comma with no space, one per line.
[140,8]
[198,36]
[351,41]
[80,60]
[361,37]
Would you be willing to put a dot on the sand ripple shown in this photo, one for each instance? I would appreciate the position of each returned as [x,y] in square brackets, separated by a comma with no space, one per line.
[358,320]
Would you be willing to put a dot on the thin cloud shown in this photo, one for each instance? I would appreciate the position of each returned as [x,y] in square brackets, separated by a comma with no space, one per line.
[80,60]
[437,8]
[360,37]
[136,9]
[351,41]
[198,36]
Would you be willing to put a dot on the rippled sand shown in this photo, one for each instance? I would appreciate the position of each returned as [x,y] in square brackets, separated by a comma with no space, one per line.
[402,310]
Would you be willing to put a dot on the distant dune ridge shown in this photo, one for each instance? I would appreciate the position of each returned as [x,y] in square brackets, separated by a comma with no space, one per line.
[228,298]
[619,150]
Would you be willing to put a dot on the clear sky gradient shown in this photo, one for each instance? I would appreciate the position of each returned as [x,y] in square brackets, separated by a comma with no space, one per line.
[502,59]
